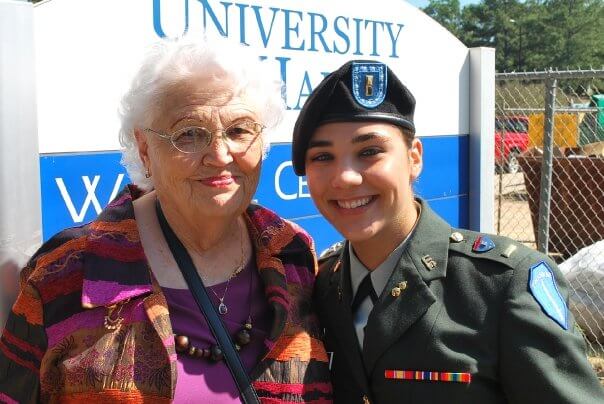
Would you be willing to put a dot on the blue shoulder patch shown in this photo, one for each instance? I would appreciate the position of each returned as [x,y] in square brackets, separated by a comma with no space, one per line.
[369,83]
[542,286]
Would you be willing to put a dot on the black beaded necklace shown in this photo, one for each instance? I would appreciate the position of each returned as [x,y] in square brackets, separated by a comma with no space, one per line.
[243,337]
[182,343]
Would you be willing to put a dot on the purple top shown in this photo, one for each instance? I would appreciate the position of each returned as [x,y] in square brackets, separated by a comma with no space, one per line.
[201,380]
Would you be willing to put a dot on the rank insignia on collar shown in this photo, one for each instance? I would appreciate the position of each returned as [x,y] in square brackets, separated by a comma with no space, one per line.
[429,262]
[542,286]
[369,83]
[483,244]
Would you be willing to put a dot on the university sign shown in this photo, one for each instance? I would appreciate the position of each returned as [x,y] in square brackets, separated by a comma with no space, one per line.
[326,33]
[87,51]
[298,31]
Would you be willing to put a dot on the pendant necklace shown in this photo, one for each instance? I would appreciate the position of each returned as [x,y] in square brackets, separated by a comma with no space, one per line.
[222,307]
[243,337]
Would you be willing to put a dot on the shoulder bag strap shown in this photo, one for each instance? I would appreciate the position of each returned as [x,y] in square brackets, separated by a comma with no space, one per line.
[195,283]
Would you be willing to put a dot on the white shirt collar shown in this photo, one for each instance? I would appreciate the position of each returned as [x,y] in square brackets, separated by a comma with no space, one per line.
[380,275]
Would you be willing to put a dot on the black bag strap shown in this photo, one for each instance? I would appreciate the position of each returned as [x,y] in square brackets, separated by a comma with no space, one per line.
[195,283]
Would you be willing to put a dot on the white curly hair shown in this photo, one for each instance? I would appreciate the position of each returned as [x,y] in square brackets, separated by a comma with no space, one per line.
[172,62]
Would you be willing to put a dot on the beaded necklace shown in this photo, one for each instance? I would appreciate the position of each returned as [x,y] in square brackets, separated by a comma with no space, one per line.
[242,338]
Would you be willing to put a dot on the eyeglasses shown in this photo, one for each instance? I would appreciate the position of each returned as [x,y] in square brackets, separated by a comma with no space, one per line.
[193,139]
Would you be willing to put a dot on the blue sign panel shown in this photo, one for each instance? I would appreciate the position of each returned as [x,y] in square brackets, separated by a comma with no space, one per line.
[280,189]
[76,187]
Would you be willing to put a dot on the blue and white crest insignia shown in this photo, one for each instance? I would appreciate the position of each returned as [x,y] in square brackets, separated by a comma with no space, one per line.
[543,288]
[369,83]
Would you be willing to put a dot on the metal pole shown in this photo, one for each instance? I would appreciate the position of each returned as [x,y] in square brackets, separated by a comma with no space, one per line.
[519,46]
[558,74]
[546,165]
[500,193]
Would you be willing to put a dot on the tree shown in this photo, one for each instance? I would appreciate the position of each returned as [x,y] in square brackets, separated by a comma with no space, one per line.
[447,13]
[533,34]
[578,39]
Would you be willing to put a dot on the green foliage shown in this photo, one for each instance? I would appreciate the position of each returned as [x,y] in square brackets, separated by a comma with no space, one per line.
[447,13]
[531,34]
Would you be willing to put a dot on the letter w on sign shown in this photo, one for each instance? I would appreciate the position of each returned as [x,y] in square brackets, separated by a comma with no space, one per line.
[91,197]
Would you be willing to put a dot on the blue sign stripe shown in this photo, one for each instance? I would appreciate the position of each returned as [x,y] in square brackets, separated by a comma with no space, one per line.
[76,186]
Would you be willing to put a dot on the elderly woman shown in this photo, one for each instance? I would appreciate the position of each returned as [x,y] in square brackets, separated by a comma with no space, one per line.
[104,311]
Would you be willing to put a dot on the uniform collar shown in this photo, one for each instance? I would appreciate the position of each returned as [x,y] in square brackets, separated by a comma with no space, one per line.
[428,242]
[428,246]
[380,275]
[392,314]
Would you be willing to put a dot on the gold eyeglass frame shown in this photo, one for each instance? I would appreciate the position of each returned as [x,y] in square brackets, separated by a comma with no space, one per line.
[223,135]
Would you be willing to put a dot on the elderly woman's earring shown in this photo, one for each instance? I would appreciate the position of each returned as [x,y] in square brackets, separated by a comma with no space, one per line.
[147,173]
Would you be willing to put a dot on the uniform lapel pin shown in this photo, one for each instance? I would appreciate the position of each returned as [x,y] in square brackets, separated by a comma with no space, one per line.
[483,244]
[398,289]
[429,262]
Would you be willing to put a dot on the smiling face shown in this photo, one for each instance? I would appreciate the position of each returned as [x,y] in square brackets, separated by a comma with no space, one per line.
[360,177]
[215,182]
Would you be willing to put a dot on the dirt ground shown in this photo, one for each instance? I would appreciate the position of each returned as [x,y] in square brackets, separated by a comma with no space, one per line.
[512,214]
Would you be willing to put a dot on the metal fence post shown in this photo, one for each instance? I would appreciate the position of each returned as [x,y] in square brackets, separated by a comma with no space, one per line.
[546,165]
[556,203]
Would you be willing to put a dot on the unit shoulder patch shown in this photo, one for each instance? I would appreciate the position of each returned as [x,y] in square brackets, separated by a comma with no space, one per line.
[542,286]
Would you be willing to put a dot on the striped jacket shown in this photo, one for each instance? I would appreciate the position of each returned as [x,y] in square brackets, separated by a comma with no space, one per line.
[56,348]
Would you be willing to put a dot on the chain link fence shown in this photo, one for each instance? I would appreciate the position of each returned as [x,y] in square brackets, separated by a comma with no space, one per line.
[549,187]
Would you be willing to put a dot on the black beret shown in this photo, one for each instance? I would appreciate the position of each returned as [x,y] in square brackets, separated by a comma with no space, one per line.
[360,90]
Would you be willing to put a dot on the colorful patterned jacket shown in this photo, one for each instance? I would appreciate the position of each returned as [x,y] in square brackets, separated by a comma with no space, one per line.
[55,347]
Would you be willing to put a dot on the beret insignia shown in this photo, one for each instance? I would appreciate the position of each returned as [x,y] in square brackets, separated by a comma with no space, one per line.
[369,83]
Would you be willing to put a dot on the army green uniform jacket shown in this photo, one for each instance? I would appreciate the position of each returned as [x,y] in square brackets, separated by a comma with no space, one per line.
[458,311]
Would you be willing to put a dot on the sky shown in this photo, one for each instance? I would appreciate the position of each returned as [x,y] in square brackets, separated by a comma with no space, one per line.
[424,3]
